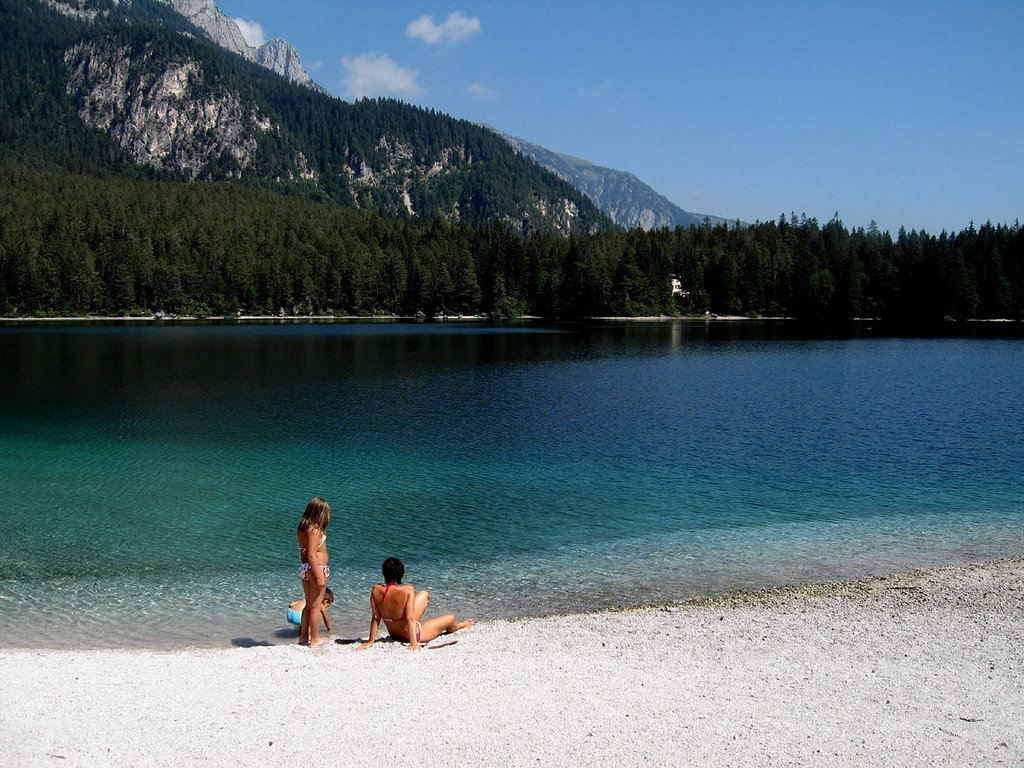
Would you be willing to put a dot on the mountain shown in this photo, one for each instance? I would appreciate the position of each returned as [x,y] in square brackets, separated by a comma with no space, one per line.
[624,197]
[629,201]
[277,55]
[136,87]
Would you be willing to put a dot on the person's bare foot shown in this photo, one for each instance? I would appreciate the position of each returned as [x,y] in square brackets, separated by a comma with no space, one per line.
[464,624]
[319,642]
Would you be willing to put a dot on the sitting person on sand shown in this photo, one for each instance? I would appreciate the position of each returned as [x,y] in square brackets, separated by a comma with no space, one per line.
[401,608]
[295,610]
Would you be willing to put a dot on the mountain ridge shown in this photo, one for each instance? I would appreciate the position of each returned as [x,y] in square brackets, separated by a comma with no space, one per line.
[628,200]
[139,85]
[622,195]
[180,119]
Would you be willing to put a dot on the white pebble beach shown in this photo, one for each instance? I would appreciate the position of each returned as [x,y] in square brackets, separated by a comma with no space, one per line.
[915,669]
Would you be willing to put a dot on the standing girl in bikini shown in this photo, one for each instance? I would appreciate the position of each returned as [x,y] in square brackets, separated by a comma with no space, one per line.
[401,607]
[313,569]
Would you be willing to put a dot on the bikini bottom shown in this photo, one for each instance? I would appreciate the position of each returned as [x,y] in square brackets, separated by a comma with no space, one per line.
[305,568]
[419,628]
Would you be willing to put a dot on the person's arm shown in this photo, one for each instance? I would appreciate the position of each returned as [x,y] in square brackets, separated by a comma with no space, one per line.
[327,621]
[374,623]
[410,618]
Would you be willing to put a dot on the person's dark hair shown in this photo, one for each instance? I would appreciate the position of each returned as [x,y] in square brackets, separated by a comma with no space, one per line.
[328,597]
[393,570]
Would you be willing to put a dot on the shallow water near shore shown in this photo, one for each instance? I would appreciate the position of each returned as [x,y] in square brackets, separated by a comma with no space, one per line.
[151,476]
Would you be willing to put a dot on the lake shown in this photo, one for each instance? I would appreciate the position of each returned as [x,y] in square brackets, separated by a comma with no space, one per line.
[152,476]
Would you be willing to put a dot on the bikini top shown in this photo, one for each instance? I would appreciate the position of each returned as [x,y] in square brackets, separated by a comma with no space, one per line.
[302,549]
[383,598]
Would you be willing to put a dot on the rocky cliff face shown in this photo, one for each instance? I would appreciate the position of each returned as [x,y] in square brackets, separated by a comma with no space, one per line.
[280,56]
[629,201]
[277,55]
[163,116]
[208,17]
[75,10]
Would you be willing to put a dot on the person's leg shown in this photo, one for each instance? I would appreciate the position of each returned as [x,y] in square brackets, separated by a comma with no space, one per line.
[441,625]
[308,588]
[315,607]
[419,605]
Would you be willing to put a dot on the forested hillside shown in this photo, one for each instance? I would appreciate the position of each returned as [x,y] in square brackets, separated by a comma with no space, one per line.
[75,244]
[128,93]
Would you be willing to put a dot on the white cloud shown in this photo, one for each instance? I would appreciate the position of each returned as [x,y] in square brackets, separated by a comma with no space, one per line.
[377,74]
[481,90]
[252,31]
[456,28]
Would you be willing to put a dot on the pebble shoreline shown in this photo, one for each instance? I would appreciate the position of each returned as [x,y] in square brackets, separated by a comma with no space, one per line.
[920,668]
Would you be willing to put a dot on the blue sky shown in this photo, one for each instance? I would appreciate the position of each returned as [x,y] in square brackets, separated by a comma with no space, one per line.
[906,113]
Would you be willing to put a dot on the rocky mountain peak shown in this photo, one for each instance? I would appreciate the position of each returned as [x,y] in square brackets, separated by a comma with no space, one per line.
[277,55]
[280,56]
[208,17]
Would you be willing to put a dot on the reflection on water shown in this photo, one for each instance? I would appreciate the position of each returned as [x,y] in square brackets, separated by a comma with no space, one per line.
[152,476]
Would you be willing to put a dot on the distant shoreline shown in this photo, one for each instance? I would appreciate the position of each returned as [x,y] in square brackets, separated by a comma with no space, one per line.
[170,320]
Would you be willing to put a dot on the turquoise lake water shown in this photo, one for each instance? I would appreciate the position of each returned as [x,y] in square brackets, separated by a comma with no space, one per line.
[151,477]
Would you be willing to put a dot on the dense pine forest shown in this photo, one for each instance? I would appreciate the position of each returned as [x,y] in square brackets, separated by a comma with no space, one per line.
[81,243]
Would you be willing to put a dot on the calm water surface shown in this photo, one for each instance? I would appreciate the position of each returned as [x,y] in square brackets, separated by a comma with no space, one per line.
[151,477]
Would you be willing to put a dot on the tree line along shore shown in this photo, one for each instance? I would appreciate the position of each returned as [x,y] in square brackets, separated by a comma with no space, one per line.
[82,243]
